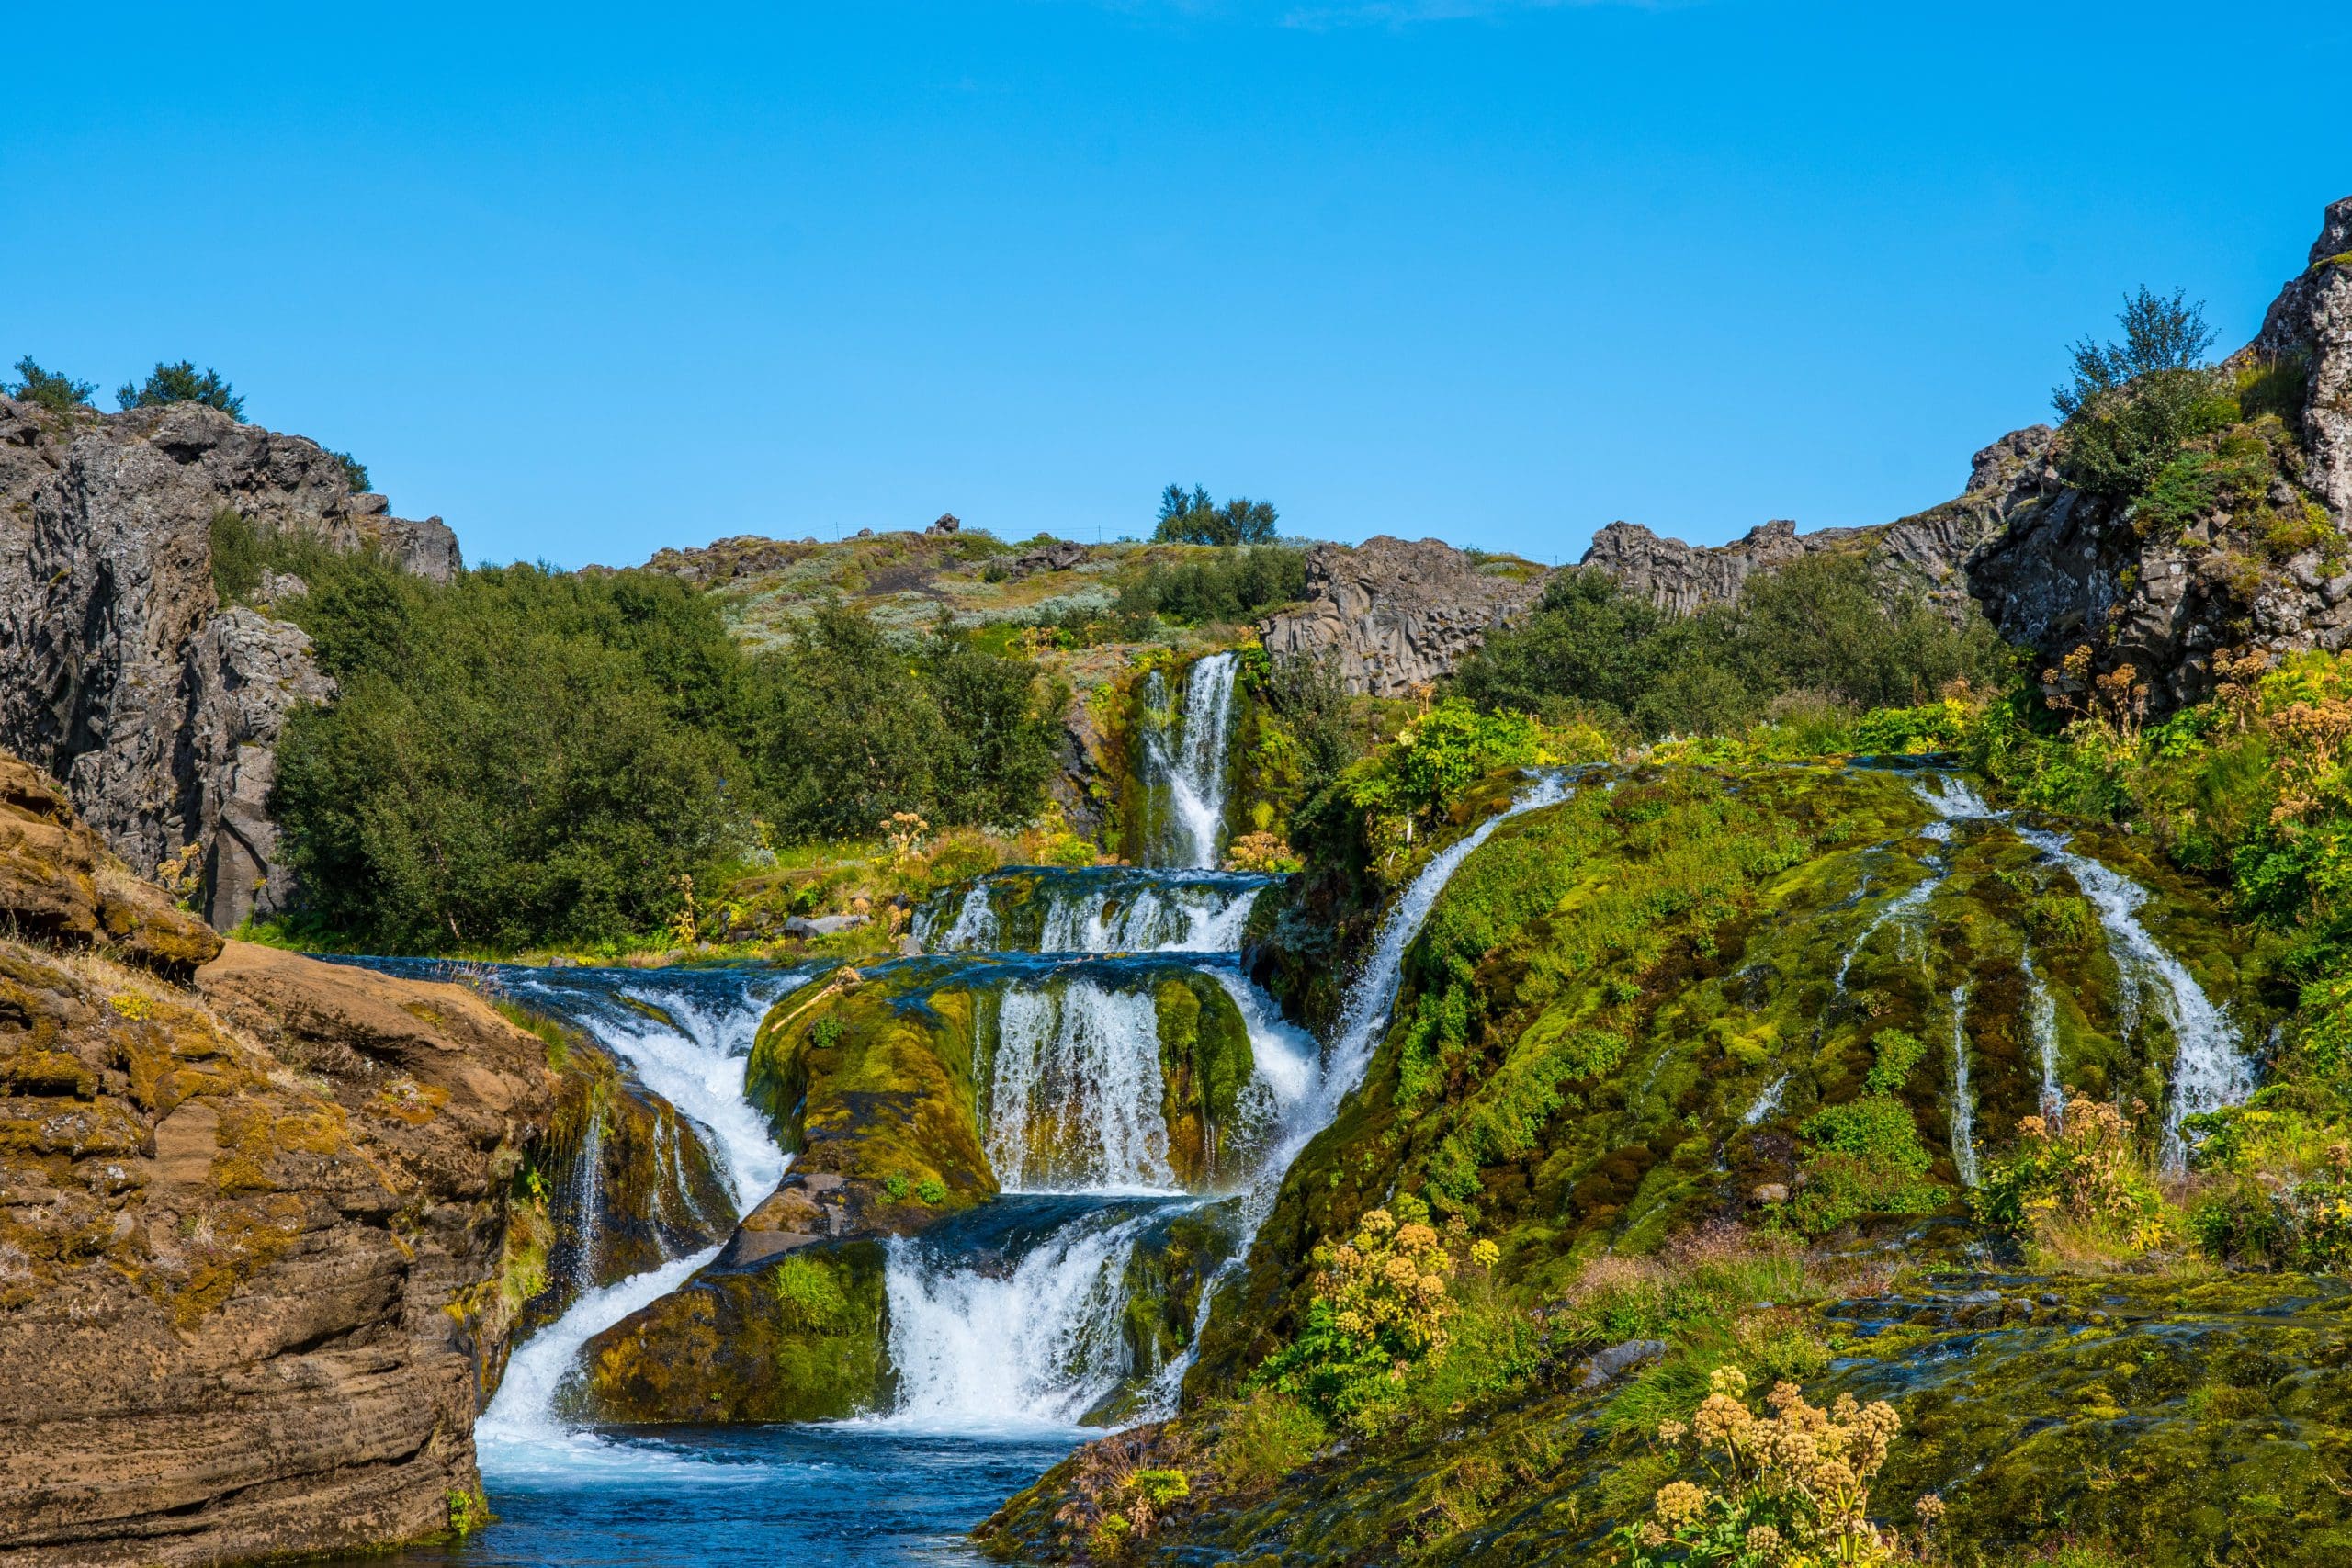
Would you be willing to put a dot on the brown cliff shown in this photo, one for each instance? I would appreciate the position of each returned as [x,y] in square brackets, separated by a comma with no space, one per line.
[250,1225]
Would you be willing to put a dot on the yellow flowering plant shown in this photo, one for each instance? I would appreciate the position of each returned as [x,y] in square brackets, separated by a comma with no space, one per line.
[1791,1489]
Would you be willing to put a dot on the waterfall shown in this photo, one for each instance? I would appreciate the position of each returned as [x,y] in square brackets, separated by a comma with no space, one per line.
[975,925]
[1963,1099]
[1074,1091]
[1766,1103]
[2042,1014]
[1097,909]
[1039,1345]
[685,1038]
[587,1193]
[1189,761]
[2209,1070]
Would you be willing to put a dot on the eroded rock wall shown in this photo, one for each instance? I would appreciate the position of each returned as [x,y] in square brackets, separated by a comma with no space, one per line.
[250,1226]
[1398,613]
[119,671]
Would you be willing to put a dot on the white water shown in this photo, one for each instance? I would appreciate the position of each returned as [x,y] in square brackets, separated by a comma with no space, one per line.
[2209,1070]
[1074,1091]
[975,925]
[2042,1013]
[1180,918]
[1191,760]
[983,1350]
[521,1432]
[1039,1346]
[1766,1103]
[696,1067]
[1963,1098]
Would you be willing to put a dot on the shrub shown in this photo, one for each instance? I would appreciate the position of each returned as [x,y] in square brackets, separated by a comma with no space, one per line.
[1864,1157]
[931,1191]
[1193,520]
[1380,1304]
[2131,405]
[181,383]
[1791,1486]
[1228,587]
[1264,1437]
[1441,753]
[241,553]
[2075,1182]
[46,389]
[354,472]
[1897,1052]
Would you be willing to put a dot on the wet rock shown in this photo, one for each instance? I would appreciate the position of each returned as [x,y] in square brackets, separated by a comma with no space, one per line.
[1606,1366]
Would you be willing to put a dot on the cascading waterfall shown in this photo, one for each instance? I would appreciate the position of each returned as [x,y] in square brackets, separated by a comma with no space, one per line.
[1363,1019]
[2209,1070]
[2042,1015]
[586,1197]
[994,1349]
[1766,1103]
[1189,760]
[689,1047]
[1039,1344]
[1074,1091]
[1106,909]
[1963,1098]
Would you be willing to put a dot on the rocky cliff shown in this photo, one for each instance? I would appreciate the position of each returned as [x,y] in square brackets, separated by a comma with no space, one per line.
[1398,613]
[2246,558]
[251,1218]
[120,672]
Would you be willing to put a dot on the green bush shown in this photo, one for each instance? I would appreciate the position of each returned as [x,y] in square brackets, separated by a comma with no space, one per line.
[46,389]
[240,555]
[354,472]
[1863,1157]
[1264,1437]
[181,383]
[1899,1053]
[1194,520]
[2131,405]
[1230,586]
[806,1296]
[1822,631]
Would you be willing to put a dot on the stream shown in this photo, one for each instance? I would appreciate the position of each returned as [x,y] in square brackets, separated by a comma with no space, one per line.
[1005,1322]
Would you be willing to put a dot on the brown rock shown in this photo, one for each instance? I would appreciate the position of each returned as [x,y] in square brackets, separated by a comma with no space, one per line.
[249,1233]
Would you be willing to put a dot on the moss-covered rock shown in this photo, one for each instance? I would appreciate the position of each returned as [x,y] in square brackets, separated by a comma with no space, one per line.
[2177,1424]
[797,1337]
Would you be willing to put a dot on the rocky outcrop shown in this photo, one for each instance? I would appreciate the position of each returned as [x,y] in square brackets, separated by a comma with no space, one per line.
[119,671]
[2263,572]
[249,1231]
[1399,614]
[1927,552]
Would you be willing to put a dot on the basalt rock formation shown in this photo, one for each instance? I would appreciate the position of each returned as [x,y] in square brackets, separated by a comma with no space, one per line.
[1397,614]
[250,1226]
[2260,569]
[120,672]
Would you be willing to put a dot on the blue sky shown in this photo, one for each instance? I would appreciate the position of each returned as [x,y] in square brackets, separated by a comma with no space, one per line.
[593,282]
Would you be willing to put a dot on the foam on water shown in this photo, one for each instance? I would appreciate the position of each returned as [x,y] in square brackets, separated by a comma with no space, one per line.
[1074,1091]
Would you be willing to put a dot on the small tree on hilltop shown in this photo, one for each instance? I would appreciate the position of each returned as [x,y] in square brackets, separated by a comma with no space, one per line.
[2131,404]
[181,383]
[45,389]
[1193,520]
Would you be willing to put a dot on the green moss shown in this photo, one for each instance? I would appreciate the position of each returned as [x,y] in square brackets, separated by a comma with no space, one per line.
[800,1340]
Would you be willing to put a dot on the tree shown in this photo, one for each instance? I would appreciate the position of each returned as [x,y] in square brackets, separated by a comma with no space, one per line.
[181,383]
[2133,404]
[1193,520]
[44,389]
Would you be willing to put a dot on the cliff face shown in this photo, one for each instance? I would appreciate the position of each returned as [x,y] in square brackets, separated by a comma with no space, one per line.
[250,1228]
[1398,614]
[119,671]
[2251,571]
